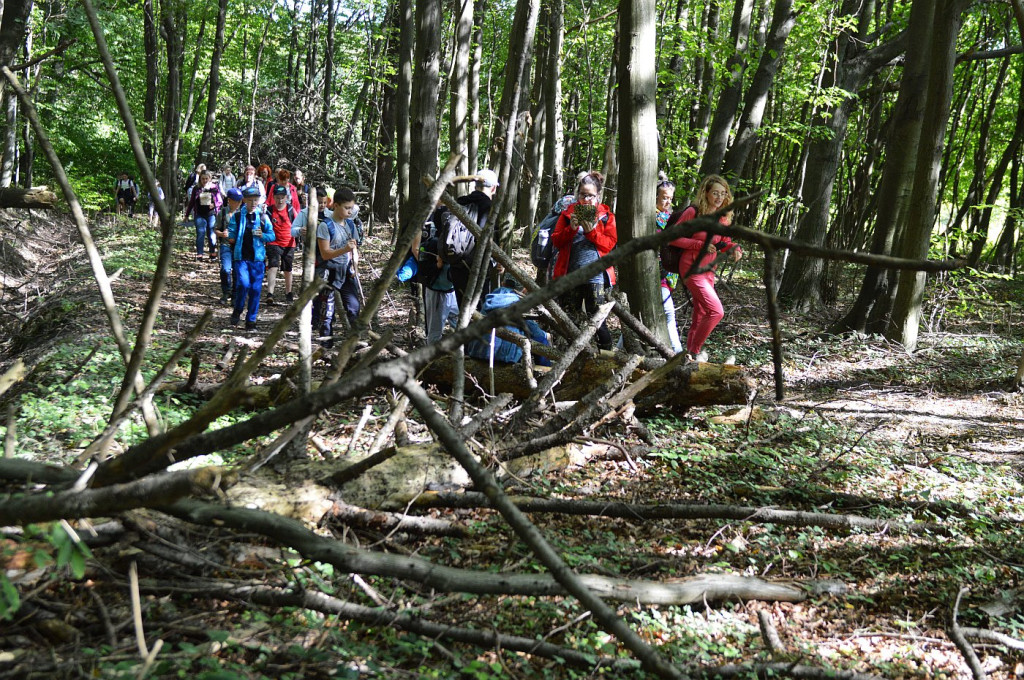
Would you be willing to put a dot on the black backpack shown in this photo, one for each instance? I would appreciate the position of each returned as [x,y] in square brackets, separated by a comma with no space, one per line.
[670,254]
[428,271]
[542,251]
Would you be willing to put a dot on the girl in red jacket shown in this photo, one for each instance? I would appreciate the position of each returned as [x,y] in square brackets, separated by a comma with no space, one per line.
[580,242]
[713,195]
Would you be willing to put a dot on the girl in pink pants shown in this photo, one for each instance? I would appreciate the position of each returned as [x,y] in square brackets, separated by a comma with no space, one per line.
[713,196]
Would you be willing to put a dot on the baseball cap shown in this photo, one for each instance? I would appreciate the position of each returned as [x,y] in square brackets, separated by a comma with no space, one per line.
[488,177]
[280,190]
[235,194]
[249,192]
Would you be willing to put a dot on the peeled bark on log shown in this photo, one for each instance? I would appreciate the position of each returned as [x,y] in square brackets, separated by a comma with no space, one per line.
[353,516]
[697,384]
[34,197]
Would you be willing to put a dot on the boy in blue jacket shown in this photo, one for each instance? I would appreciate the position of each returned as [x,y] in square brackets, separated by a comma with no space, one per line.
[249,233]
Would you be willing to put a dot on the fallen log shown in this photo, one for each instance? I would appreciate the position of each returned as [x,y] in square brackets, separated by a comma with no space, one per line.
[696,384]
[34,197]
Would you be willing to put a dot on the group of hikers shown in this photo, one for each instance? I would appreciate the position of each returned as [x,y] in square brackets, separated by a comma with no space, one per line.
[579,230]
[253,225]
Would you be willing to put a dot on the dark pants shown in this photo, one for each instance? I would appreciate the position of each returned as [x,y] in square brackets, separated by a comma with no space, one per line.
[590,296]
[323,305]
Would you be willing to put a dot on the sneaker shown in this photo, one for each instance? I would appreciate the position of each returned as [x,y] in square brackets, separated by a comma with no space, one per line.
[289,296]
[270,300]
[223,299]
[250,325]
[702,357]
[235,318]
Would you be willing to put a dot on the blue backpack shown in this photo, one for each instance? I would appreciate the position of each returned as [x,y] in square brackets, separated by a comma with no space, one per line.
[506,352]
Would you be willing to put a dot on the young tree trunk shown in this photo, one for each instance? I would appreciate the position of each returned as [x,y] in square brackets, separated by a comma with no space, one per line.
[529,179]
[423,127]
[190,106]
[403,101]
[638,125]
[801,282]
[385,174]
[500,157]
[458,124]
[783,20]
[610,162]
[938,40]
[174,19]
[704,83]
[255,89]
[553,181]
[214,87]
[328,93]
[291,78]
[474,85]
[10,153]
[728,101]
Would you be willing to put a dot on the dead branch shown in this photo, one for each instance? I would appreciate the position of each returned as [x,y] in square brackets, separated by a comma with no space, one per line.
[152,491]
[673,511]
[956,634]
[292,533]
[353,516]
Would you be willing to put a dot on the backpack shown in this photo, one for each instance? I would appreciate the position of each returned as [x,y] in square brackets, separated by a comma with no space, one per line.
[428,270]
[542,251]
[670,254]
[454,238]
[505,352]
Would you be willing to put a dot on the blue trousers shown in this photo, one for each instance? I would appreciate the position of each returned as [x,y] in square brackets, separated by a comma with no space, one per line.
[204,232]
[249,286]
[227,270]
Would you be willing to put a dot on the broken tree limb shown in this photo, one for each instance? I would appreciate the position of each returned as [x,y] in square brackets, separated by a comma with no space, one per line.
[350,559]
[154,490]
[35,197]
[386,522]
[681,511]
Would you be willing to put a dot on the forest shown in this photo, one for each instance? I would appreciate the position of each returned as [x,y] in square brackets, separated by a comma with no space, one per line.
[830,490]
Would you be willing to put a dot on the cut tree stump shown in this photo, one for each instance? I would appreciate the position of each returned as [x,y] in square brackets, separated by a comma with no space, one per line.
[696,384]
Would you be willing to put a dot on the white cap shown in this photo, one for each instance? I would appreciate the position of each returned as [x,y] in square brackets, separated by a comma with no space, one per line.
[488,178]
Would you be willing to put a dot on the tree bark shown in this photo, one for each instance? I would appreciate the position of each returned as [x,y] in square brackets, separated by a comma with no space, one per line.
[638,126]
[503,140]
[783,20]
[458,125]
[209,124]
[36,197]
[553,179]
[938,39]
[406,48]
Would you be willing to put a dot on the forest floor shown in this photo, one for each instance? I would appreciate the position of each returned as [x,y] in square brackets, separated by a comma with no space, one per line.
[865,428]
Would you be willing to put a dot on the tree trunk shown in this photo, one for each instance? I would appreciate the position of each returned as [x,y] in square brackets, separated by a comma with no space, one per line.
[937,39]
[423,111]
[553,180]
[728,101]
[152,59]
[384,177]
[638,125]
[474,85]
[10,141]
[458,125]
[174,18]
[190,106]
[801,282]
[500,156]
[34,197]
[530,177]
[783,20]
[403,102]
[610,162]
[210,123]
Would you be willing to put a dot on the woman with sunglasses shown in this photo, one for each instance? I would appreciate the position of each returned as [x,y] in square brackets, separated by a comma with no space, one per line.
[581,240]
[714,195]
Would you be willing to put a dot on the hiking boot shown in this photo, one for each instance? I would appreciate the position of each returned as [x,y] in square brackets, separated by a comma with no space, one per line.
[289,296]
[270,300]
[250,325]
[223,299]
[235,318]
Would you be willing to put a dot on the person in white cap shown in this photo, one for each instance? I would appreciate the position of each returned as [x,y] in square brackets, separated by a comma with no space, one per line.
[478,205]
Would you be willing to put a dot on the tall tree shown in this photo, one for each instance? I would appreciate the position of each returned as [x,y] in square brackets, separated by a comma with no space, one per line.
[423,129]
[206,139]
[640,275]
[728,101]
[500,157]
[933,29]
[783,20]
[552,175]
[458,124]
[174,20]
[384,177]
[403,101]
[848,67]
